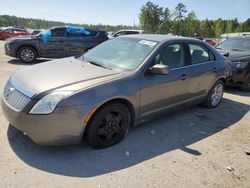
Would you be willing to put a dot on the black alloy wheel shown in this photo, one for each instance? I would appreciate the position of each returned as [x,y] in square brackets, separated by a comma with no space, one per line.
[108,126]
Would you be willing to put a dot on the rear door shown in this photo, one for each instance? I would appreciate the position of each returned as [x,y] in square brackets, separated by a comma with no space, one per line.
[55,48]
[202,68]
[78,43]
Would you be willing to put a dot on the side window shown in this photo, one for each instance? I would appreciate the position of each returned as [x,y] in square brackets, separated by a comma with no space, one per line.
[8,30]
[172,56]
[58,32]
[90,33]
[74,34]
[18,30]
[199,53]
[132,32]
[120,33]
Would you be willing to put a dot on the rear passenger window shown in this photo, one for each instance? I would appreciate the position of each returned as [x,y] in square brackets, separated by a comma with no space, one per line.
[58,32]
[90,33]
[74,34]
[132,32]
[199,54]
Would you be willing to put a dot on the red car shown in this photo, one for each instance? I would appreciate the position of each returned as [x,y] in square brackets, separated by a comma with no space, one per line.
[12,32]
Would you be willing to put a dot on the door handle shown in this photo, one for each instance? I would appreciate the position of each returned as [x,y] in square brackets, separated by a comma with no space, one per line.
[183,76]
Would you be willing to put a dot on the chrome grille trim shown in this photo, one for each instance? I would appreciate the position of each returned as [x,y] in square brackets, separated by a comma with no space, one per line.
[15,98]
[21,88]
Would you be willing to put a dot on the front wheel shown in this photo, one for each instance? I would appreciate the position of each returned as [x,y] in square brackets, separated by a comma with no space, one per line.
[215,95]
[108,126]
[27,54]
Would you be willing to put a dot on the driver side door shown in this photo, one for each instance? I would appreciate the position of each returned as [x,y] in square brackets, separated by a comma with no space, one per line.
[162,92]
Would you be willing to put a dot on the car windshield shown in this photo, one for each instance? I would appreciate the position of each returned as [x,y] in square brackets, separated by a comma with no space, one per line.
[120,53]
[241,44]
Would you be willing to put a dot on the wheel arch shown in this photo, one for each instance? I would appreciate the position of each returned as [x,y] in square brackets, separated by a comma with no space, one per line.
[222,78]
[124,101]
[26,45]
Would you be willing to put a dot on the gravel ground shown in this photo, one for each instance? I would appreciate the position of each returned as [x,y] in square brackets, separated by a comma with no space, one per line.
[189,148]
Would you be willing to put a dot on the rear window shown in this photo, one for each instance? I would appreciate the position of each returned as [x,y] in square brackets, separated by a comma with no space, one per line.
[90,33]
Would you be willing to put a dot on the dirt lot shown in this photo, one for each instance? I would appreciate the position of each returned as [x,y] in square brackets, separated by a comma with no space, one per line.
[190,148]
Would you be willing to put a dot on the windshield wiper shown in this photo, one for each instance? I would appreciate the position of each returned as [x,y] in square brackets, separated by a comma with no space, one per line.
[98,64]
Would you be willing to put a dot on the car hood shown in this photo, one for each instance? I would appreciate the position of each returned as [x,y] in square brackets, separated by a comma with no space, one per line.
[234,55]
[56,74]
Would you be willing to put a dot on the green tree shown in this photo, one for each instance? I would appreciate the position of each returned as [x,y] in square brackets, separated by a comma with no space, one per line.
[180,11]
[164,26]
[219,27]
[150,17]
[190,24]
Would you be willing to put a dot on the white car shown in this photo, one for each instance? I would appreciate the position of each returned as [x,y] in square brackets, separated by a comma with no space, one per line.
[126,32]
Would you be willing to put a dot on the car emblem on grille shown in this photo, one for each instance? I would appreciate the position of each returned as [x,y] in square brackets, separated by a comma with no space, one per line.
[9,92]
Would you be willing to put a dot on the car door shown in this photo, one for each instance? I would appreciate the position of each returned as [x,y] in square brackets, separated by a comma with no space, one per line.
[162,92]
[203,69]
[55,48]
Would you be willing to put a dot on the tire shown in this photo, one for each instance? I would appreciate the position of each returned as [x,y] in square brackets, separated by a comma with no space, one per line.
[215,95]
[108,126]
[27,54]
[246,85]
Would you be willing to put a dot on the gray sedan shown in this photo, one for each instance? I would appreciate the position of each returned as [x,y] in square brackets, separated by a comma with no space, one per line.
[120,83]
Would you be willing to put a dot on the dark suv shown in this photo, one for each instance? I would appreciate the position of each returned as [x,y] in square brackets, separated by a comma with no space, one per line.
[238,52]
[56,42]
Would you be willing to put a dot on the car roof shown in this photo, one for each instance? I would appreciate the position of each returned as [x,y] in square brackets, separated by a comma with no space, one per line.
[157,37]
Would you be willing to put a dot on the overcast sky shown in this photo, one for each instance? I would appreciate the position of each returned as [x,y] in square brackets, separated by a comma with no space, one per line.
[117,12]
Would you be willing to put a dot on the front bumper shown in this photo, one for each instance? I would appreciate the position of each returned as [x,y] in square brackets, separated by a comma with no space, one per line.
[239,76]
[62,127]
[9,51]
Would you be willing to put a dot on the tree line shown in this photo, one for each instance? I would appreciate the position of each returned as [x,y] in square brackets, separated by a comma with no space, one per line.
[153,19]
[6,20]
[156,19]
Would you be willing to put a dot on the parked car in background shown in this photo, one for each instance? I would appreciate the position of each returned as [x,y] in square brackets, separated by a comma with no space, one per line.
[2,28]
[210,41]
[225,36]
[126,32]
[121,82]
[110,33]
[238,52]
[35,31]
[13,32]
[56,42]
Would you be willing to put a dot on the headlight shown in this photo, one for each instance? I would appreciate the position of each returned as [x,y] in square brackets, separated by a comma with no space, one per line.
[241,64]
[49,102]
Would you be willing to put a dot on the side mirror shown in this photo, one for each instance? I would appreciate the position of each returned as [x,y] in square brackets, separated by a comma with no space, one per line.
[160,69]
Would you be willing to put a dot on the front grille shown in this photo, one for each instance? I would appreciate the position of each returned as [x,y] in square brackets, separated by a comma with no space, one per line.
[15,98]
